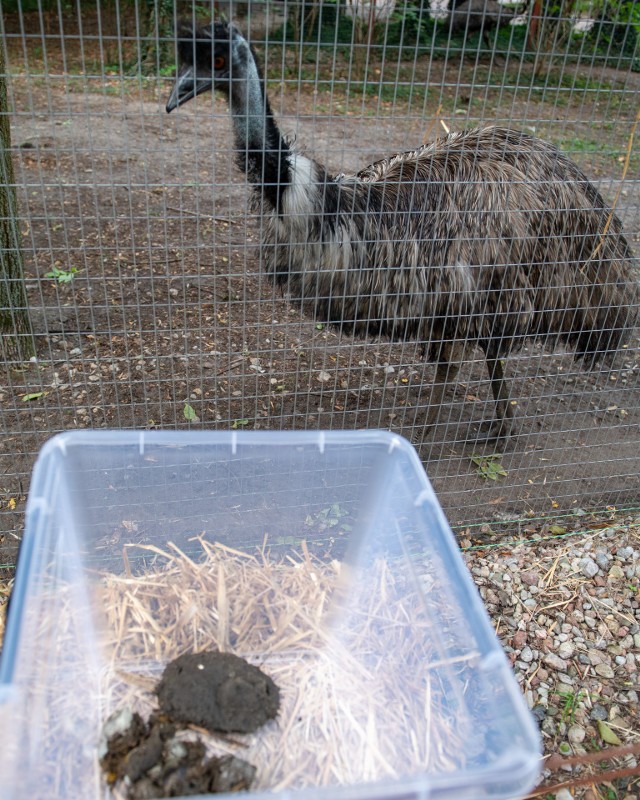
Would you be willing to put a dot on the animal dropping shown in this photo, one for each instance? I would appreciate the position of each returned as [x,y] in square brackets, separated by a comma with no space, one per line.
[145,760]
[217,691]
[480,240]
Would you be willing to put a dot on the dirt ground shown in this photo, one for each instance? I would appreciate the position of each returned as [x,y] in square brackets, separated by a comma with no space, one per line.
[168,304]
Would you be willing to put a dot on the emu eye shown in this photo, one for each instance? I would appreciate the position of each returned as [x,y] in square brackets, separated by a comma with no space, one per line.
[218,62]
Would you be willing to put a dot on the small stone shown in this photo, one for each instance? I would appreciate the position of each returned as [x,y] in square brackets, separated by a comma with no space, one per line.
[604,671]
[588,567]
[548,726]
[555,662]
[576,734]
[595,656]
[526,654]
[565,650]
[624,552]
[616,573]
[538,712]
[519,639]
[531,577]
[564,794]
[599,712]
[602,560]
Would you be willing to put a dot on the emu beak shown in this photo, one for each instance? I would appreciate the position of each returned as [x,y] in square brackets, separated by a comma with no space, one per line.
[188,85]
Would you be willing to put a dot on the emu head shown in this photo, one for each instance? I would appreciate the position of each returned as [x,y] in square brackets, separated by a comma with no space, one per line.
[205,54]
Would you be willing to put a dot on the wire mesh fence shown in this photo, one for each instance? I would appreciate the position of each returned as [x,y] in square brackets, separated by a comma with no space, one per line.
[146,273]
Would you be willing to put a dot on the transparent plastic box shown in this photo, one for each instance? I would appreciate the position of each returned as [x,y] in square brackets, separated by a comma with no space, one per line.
[393,683]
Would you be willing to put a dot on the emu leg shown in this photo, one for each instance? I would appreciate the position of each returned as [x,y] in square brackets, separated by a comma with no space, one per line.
[446,373]
[449,362]
[503,425]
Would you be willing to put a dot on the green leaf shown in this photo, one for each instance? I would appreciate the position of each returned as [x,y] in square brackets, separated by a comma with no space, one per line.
[557,530]
[189,413]
[489,467]
[606,734]
[238,423]
[61,275]
[33,396]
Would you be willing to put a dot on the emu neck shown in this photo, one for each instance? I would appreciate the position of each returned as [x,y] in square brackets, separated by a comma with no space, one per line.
[261,151]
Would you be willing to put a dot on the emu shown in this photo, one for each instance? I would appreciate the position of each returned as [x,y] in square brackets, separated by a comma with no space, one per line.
[482,239]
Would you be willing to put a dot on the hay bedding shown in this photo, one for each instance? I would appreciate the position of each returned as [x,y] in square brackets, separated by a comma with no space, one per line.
[360,699]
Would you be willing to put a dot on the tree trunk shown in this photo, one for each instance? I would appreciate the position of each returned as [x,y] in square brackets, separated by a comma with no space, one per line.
[15,326]
[156,48]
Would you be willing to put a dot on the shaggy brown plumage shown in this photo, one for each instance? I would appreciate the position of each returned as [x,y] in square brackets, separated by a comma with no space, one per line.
[481,239]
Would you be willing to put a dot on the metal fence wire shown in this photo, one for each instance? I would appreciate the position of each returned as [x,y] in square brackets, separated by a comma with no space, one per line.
[146,251]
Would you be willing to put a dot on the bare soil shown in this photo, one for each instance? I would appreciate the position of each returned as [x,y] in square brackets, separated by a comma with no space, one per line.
[169,305]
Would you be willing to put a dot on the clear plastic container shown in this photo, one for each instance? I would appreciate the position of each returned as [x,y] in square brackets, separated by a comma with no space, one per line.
[414,697]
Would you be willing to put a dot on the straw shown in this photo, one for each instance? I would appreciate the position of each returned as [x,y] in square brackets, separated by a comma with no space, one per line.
[358,703]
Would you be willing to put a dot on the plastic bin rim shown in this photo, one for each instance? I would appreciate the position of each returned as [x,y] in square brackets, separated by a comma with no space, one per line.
[321,439]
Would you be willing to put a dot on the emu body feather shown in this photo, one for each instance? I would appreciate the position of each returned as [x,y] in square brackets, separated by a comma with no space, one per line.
[482,239]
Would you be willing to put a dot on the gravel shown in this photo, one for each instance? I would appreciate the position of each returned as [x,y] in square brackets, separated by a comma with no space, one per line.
[567,611]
